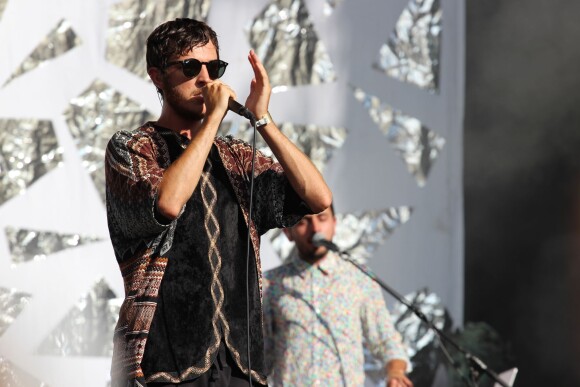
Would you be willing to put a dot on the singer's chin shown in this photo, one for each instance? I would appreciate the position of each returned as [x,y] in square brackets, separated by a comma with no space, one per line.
[320,252]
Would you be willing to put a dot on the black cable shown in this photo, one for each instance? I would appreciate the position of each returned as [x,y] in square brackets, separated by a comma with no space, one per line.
[248,243]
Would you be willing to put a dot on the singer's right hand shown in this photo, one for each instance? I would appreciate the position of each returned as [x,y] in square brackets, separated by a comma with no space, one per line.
[216,96]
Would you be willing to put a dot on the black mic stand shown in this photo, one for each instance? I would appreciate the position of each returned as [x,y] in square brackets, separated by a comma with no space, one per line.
[476,365]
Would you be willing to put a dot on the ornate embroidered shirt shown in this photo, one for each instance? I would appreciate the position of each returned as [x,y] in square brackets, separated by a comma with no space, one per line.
[315,319]
[202,252]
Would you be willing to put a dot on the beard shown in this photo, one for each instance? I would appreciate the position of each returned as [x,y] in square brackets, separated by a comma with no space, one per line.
[182,105]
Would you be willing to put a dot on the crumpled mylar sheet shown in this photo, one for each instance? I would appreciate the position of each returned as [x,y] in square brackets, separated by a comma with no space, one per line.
[318,142]
[28,150]
[93,118]
[12,302]
[285,40]
[330,6]
[88,328]
[417,145]
[358,233]
[28,245]
[413,50]
[422,343]
[12,376]
[131,22]
[59,41]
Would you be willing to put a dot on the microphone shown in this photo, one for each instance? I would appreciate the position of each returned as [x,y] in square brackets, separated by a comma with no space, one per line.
[318,239]
[240,109]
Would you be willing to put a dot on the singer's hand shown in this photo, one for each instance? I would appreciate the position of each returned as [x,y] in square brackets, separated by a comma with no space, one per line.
[216,96]
[260,88]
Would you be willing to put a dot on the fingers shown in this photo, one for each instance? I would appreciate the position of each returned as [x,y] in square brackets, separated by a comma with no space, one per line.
[216,96]
[260,74]
[402,381]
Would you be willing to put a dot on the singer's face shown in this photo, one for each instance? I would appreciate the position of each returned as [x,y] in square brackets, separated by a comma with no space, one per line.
[183,94]
[302,233]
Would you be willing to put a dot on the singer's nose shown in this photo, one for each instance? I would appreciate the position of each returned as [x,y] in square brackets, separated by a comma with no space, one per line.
[316,225]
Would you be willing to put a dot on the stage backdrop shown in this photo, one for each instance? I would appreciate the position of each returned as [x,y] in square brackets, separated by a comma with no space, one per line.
[371,90]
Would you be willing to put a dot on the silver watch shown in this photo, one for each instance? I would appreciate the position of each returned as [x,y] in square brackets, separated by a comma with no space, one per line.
[265,120]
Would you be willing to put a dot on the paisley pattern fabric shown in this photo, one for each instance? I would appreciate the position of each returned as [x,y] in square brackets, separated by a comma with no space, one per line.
[134,165]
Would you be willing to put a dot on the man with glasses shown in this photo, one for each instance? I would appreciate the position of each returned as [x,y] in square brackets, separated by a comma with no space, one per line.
[178,208]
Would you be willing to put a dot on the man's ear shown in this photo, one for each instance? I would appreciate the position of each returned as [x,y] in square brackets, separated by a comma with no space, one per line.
[156,76]
[288,233]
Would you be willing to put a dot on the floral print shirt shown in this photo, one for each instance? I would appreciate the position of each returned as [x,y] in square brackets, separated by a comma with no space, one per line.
[315,319]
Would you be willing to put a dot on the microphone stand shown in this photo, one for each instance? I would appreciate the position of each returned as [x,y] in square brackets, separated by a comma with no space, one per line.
[476,365]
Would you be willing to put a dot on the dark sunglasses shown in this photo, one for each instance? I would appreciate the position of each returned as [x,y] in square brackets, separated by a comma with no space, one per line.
[191,67]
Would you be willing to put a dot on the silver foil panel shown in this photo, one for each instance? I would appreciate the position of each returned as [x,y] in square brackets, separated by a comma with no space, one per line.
[413,50]
[12,302]
[318,142]
[131,22]
[93,118]
[28,245]
[28,150]
[12,376]
[59,41]
[330,6]
[285,40]
[358,233]
[417,145]
[414,331]
[88,327]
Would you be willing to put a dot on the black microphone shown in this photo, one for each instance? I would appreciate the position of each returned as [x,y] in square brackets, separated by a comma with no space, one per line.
[318,239]
[240,109]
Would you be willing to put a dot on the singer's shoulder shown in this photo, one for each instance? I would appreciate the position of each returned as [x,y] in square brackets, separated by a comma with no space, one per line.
[124,135]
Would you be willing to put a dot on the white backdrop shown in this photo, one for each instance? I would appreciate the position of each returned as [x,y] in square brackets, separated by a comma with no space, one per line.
[365,174]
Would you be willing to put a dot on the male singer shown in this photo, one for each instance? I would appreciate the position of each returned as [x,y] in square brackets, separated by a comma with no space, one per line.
[178,200]
[317,310]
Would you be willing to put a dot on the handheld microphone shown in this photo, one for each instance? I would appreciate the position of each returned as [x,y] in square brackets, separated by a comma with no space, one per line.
[318,239]
[240,109]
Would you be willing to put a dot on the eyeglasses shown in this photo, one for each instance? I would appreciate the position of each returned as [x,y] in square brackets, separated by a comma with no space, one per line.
[191,67]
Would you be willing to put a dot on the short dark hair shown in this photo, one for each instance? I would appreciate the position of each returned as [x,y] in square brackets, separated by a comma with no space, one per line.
[175,38]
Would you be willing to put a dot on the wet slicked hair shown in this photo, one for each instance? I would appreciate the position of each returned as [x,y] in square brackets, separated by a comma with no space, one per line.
[177,37]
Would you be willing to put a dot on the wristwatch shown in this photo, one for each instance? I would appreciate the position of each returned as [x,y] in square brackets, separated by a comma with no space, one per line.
[265,120]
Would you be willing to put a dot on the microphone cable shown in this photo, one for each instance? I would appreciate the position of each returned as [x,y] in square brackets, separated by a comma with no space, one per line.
[243,111]
[249,243]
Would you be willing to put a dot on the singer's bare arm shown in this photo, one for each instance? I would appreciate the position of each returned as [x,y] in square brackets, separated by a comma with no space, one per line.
[181,178]
[304,177]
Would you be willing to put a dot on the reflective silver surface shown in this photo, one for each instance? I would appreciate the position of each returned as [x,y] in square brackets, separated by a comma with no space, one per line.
[87,329]
[284,38]
[414,331]
[417,145]
[358,233]
[27,245]
[59,41]
[413,50]
[12,302]
[11,376]
[131,22]
[28,150]
[93,118]
[318,142]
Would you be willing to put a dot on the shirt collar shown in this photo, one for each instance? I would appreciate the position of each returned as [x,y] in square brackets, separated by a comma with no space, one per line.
[327,265]
[182,140]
